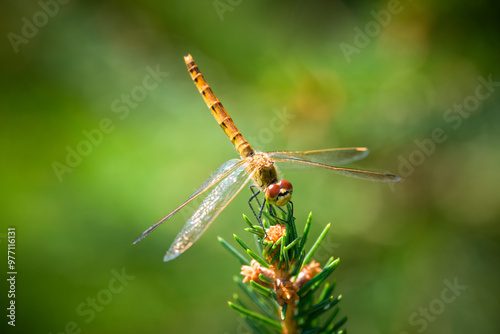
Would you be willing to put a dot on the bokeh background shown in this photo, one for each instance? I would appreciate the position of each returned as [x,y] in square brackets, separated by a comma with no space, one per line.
[415,81]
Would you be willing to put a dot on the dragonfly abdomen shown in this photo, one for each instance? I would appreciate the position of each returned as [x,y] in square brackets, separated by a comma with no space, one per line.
[220,114]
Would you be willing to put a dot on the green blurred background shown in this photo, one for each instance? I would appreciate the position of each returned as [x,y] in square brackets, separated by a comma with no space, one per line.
[387,75]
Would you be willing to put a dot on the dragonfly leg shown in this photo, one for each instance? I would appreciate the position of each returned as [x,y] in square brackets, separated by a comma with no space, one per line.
[260,214]
[287,214]
[290,211]
[260,218]
[254,196]
[261,207]
[284,212]
[274,215]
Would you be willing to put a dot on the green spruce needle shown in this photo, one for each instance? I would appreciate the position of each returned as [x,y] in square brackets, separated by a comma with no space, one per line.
[339,324]
[293,243]
[232,250]
[257,258]
[239,241]
[264,306]
[263,290]
[307,228]
[256,317]
[247,220]
[316,244]
[266,279]
[282,286]
[319,278]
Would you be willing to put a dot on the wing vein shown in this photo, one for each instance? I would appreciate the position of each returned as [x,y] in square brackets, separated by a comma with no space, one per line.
[208,211]
[220,173]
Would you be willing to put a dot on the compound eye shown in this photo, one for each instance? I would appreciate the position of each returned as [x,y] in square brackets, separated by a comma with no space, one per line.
[273,191]
[285,184]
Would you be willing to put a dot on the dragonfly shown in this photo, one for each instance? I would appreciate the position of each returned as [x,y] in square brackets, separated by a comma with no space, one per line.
[254,166]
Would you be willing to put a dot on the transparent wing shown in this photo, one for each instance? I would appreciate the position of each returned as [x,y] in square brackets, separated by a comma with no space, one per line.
[332,156]
[209,209]
[220,173]
[286,161]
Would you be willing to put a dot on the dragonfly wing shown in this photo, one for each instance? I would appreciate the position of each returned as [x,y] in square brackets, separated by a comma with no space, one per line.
[332,156]
[220,173]
[209,209]
[288,161]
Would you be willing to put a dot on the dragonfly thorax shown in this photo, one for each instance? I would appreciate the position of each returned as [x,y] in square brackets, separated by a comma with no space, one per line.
[265,170]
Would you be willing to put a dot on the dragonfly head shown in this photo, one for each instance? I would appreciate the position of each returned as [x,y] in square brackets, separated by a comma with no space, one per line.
[279,193]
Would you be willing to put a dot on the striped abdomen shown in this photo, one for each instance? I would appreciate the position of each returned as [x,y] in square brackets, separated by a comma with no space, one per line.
[220,114]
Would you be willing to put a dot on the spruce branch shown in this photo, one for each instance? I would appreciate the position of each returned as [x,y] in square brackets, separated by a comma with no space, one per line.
[290,292]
